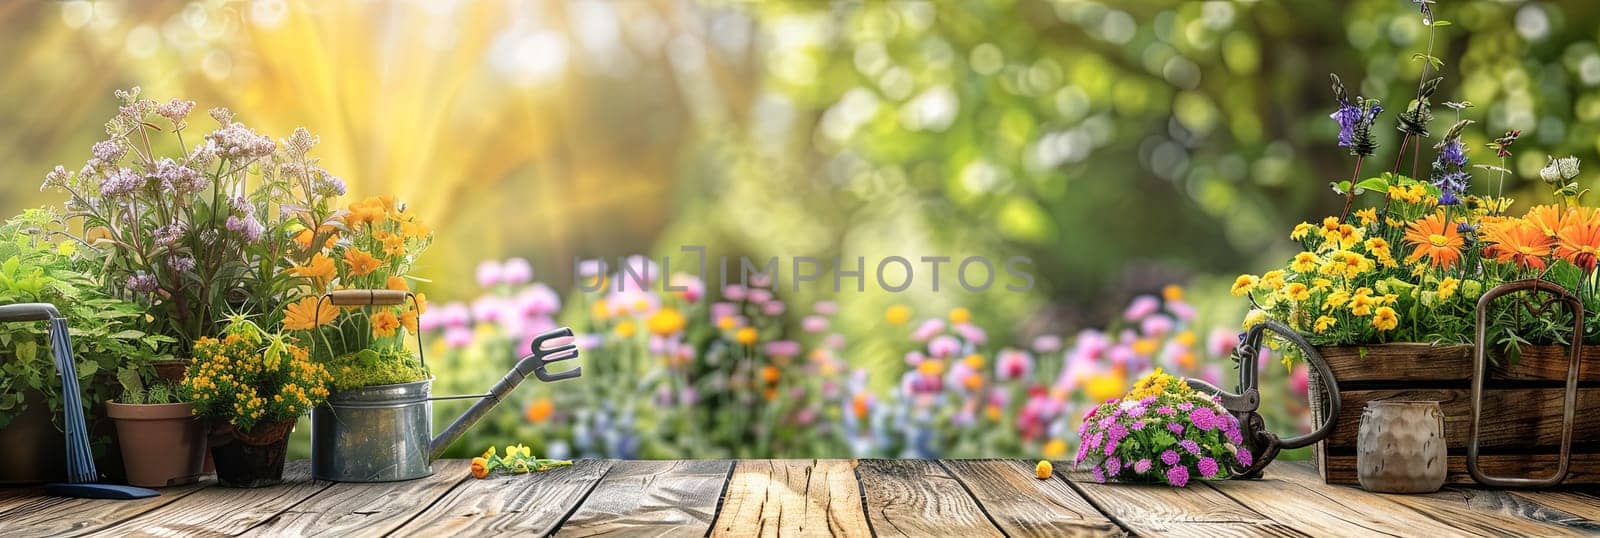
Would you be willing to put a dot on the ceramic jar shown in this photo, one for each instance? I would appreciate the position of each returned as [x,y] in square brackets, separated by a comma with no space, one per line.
[1401,447]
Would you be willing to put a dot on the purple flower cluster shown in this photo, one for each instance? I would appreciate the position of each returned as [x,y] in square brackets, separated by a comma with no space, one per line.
[237,141]
[142,282]
[1449,172]
[175,111]
[179,179]
[120,182]
[1149,439]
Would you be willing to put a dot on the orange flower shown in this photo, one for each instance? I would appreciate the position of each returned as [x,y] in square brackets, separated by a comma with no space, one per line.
[1547,219]
[309,313]
[480,467]
[770,374]
[1435,238]
[540,410]
[1518,241]
[320,269]
[398,283]
[1579,240]
[384,323]
[359,262]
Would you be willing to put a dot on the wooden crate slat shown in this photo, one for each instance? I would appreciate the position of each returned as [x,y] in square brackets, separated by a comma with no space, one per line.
[1023,505]
[1585,468]
[1292,493]
[792,498]
[219,510]
[657,498]
[918,498]
[1425,362]
[531,504]
[60,516]
[348,509]
[1156,510]
[1511,417]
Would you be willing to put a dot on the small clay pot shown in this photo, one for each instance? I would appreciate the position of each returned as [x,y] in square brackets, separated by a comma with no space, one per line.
[1401,447]
[162,444]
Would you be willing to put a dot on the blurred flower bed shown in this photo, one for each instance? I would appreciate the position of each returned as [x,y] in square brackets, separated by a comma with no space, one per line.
[744,374]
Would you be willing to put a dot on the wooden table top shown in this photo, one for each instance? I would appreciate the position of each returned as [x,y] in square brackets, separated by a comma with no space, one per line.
[968,498]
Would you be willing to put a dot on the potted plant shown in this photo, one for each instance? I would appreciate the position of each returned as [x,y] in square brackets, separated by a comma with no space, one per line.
[1390,293]
[193,228]
[163,443]
[252,385]
[364,346]
[36,265]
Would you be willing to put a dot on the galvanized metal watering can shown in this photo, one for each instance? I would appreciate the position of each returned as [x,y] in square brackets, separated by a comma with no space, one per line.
[382,433]
[1265,445]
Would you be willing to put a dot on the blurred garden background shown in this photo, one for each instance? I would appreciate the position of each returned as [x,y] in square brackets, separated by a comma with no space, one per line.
[1140,153]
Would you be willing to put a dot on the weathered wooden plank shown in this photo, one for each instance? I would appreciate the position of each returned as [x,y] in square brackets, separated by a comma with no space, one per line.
[1581,504]
[918,498]
[792,498]
[1425,362]
[1585,468]
[219,510]
[38,515]
[347,509]
[1291,493]
[530,504]
[1159,510]
[1022,505]
[1497,513]
[1513,417]
[11,497]
[652,498]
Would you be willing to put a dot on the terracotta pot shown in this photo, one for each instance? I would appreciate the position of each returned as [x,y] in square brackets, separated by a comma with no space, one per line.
[35,451]
[162,444]
[1401,448]
[172,370]
[254,458]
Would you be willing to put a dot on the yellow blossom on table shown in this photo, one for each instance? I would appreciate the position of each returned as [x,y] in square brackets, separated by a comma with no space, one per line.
[1324,323]
[1447,287]
[960,315]
[480,468]
[1301,231]
[1043,470]
[1243,285]
[1367,216]
[1296,291]
[1304,263]
[1385,319]
[746,336]
[897,315]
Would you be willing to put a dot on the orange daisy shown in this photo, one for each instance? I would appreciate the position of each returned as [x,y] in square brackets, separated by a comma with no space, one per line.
[1435,238]
[384,323]
[320,268]
[360,262]
[309,313]
[1579,240]
[1518,241]
[1547,219]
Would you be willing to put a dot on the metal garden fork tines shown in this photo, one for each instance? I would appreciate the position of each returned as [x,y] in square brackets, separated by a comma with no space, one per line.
[1244,405]
[1557,295]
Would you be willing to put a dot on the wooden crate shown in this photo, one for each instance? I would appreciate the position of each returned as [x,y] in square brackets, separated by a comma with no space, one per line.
[1521,429]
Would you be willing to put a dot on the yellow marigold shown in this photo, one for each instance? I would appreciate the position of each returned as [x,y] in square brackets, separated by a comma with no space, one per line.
[1367,216]
[1296,291]
[1324,323]
[309,313]
[1243,284]
[1320,285]
[1255,317]
[746,336]
[665,322]
[1361,305]
[1447,287]
[1301,231]
[1304,263]
[897,315]
[960,315]
[1271,280]
[384,323]
[1385,319]
[360,262]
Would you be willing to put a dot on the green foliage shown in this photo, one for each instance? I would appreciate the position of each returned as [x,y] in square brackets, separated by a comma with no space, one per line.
[136,392]
[107,343]
[370,367]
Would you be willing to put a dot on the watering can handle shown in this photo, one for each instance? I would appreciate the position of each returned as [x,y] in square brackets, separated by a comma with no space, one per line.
[534,363]
[367,297]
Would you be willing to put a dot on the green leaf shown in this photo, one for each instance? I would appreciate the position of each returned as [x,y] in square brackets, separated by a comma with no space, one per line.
[1373,184]
[1440,23]
[1340,187]
[88,369]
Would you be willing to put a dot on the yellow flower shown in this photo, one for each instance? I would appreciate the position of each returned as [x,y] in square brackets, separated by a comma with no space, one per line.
[746,336]
[1043,470]
[1385,319]
[960,315]
[384,323]
[1304,263]
[1367,216]
[398,283]
[308,313]
[931,367]
[1271,280]
[1255,317]
[665,322]
[974,361]
[897,315]
[1243,285]
[1447,287]
[1106,386]
[1172,292]
[1335,300]
[599,309]
[1296,291]
[1324,323]
[359,262]
[1320,285]
[1301,231]
[480,468]
[1361,305]
[491,452]
[626,328]
[727,323]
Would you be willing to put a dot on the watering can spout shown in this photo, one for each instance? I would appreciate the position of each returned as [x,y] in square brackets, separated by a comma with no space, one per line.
[536,363]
